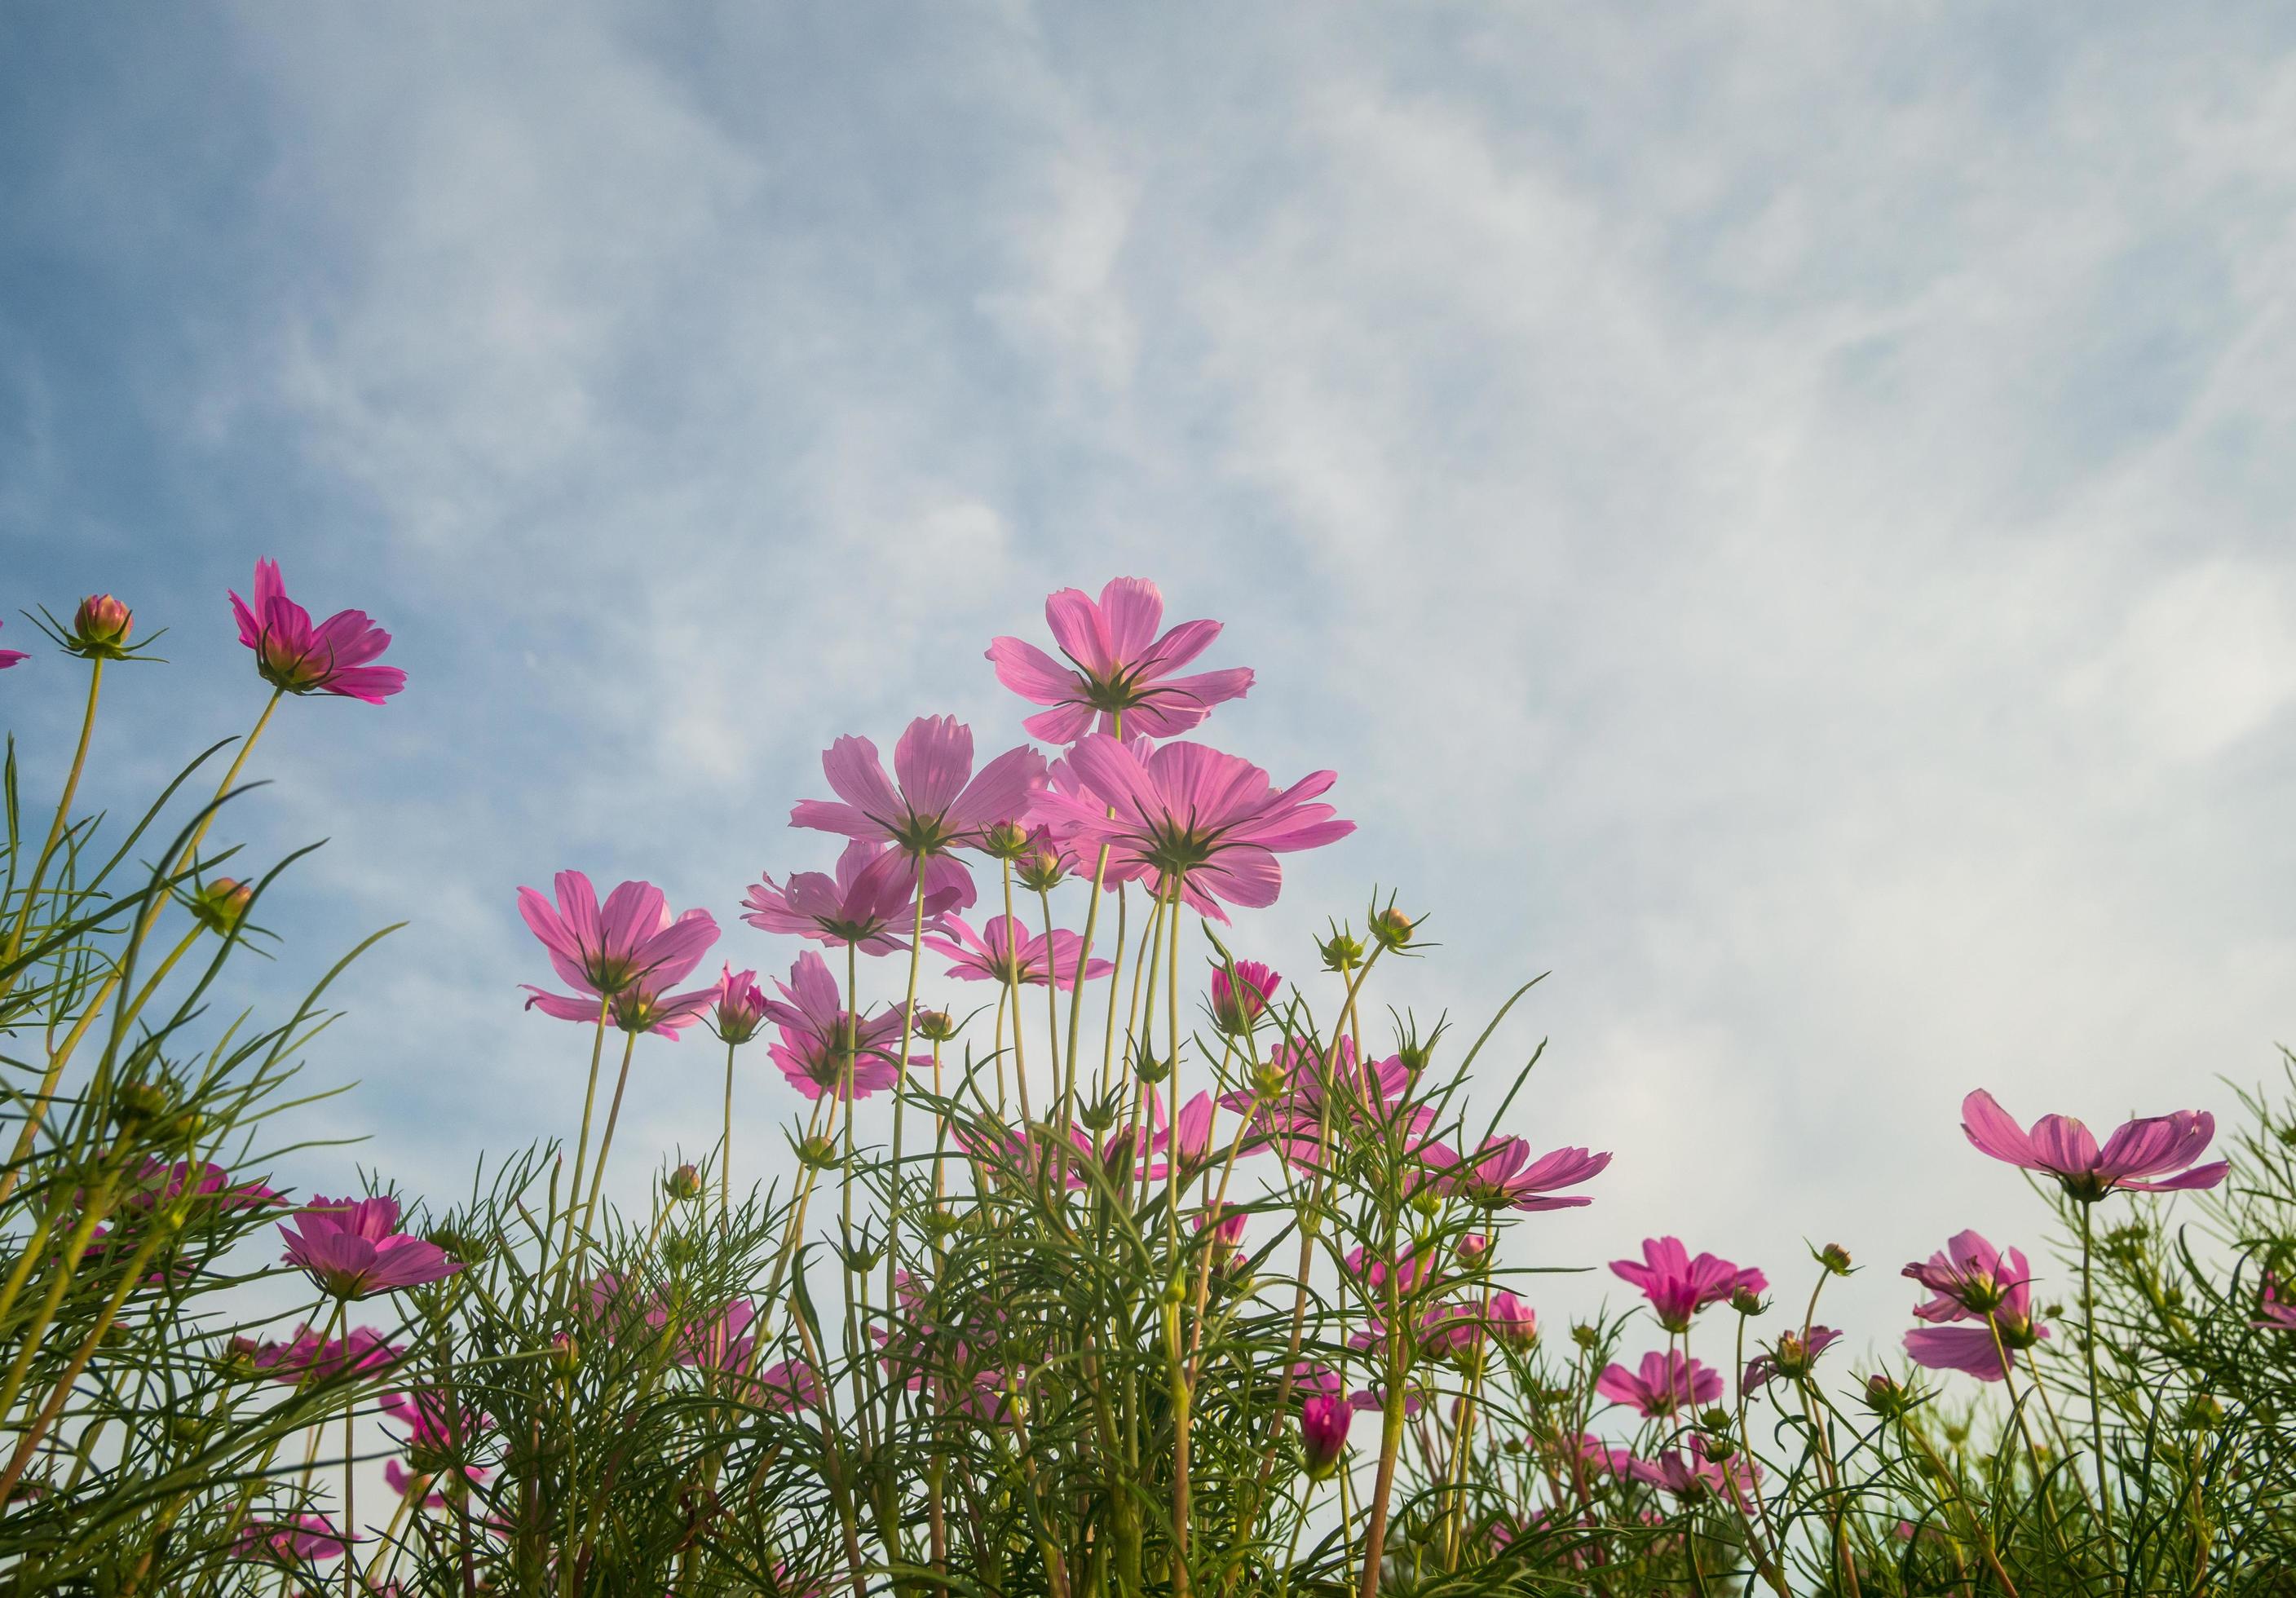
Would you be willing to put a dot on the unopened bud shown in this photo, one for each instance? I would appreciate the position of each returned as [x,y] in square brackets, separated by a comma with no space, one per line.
[1834,1257]
[1427,1202]
[1885,1397]
[565,1353]
[936,1026]
[1006,841]
[1149,1069]
[220,904]
[1097,1117]
[1474,1248]
[1391,928]
[683,1184]
[1715,1419]
[1341,952]
[139,1105]
[101,626]
[818,1153]
[1746,1301]
[1584,1336]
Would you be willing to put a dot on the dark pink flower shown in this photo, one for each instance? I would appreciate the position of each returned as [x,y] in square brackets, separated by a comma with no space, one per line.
[351,1248]
[1502,1175]
[1323,1422]
[1190,815]
[307,1539]
[634,943]
[11,656]
[1188,1142]
[1666,1383]
[2141,1156]
[300,658]
[1678,1286]
[1236,1005]
[1004,951]
[310,1355]
[1117,665]
[1971,1279]
[738,1008]
[870,903]
[2279,1313]
[813,1050]
[1693,1475]
[939,806]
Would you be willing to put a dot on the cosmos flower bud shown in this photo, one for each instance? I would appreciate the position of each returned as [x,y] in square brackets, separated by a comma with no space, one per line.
[1474,1248]
[1584,1336]
[936,1026]
[100,627]
[1323,1421]
[453,1243]
[1268,1082]
[220,904]
[1238,999]
[818,1153]
[1391,928]
[1885,1397]
[1005,840]
[139,1105]
[1834,1257]
[1097,1117]
[239,1361]
[1151,1070]
[1341,952]
[565,1353]
[1746,1301]
[942,1223]
[683,1184]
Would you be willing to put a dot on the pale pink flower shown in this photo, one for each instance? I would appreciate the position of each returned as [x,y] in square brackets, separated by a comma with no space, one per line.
[1693,1475]
[738,1006]
[632,945]
[1004,951]
[2141,1156]
[352,1248]
[310,1354]
[1791,1357]
[298,657]
[814,1051]
[1373,1098]
[2279,1313]
[1010,1156]
[1189,818]
[790,1386]
[1678,1286]
[1502,1175]
[870,903]
[1118,665]
[1971,1279]
[1188,1142]
[411,1484]
[939,806]
[1666,1383]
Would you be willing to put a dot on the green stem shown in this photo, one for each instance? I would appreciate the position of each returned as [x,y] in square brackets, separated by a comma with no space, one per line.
[55,828]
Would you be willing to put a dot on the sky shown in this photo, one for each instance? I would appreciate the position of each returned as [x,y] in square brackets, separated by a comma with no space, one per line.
[1778,516]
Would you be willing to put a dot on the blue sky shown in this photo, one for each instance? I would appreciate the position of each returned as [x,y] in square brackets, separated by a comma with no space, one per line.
[1778,516]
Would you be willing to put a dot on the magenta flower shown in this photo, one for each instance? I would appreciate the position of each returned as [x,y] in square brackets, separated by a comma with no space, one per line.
[1004,951]
[1986,1350]
[1511,1320]
[1502,1175]
[410,1484]
[351,1248]
[2279,1313]
[1693,1475]
[1375,1098]
[869,903]
[1237,1004]
[1225,1229]
[1678,1286]
[813,1050]
[939,806]
[307,1539]
[738,1006]
[627,956]
[12,657]
[790,1386]
[156,1183]
[1187,1142]
[309,1354]
[1188,818]
[2141,1156]
[1118,666]
[431,1427]
[633,942]
[1323,1422]
[1971,1279]
[296,657]
[1666,1383]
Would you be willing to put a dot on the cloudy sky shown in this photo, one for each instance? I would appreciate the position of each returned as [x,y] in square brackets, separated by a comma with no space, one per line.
[1778,515]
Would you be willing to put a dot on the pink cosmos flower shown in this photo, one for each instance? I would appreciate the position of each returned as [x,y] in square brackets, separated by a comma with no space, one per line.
[1225,1229]
[812,1048]
[1449,1330]
[1323,1422]
[1188,1142]
[939,806]
[1010,1156]
[1502,1175]
[1678,1286]
[1666,1383]
[2279,1313]
[2141,1156]
[738,1006]
[1971,1279]
[1188,815]
[869,903]
[307,1539]
[1985,1351]
[409,1484]
[1118,666]
[12,657]
[789,1387]
[1693,1475]
[1418,1267]
[351,1248]
[1373,1098]
[299,658]
[1002,951]
[1791,1357]
[632,945]
[1236,1005]
[1511,1320]
[432,1430]
[157,1183]
[308,1355]
[1372,1400]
